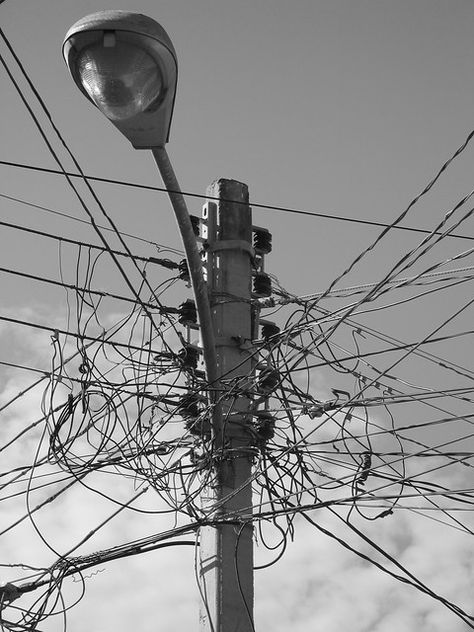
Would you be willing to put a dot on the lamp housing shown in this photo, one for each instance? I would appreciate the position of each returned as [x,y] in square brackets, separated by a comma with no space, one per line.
[126,65]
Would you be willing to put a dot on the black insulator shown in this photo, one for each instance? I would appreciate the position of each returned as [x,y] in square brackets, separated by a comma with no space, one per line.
[268,380]
[189,356]
[188,405]
[269,330]
[166,263]
[262,284]
[262,241]
[183,271]
[196,224]
[187,313]
[9,592]
[199,426]
[190,408]
[264,425]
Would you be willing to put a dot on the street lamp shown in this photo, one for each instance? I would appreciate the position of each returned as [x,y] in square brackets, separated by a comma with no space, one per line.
[125,63]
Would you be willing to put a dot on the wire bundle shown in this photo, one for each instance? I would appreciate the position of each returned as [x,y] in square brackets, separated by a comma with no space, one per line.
[346,419]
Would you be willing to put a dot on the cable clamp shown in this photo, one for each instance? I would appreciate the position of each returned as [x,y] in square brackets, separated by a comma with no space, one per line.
[234,341]
[232,244]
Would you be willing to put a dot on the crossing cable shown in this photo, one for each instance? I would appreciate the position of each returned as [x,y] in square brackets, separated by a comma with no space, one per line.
[351,310]
[83,221]
[378,378]
[404,213]
[340,315]
[69,286]
[39,380]
[460,460]
[56,330]
[410,578]
[166,263]
[411,346]
[391,392]
[68,178]
[269,207]
[344,292]
[426,489]
[428,393]
[429,488]
[430,357]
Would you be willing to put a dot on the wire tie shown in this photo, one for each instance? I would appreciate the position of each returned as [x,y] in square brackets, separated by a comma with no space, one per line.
[232,244]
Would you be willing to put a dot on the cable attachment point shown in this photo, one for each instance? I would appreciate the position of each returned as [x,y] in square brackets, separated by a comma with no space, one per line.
[189,356]
[262,285]
[183,271]
[262,240]
[8,593]
[264,426]
[187,313]
[268,379]
[269,329]
[231,244]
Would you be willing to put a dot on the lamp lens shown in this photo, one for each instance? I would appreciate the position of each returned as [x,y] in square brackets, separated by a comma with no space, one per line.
[122,80]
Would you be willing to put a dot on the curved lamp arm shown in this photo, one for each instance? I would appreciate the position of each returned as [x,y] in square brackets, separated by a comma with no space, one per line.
[194,263]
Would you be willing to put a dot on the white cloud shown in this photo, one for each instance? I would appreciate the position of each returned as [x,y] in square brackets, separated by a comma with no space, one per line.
[317,584]
[320,585]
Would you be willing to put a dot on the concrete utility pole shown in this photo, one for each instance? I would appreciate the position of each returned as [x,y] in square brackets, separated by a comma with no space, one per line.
[226,551]
[142,112]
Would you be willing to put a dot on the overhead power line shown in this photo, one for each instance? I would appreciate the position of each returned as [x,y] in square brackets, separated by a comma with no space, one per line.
[82,290]
[401,347]
[284,209]
[365,286]
[105,424]
[167,263]
[62,170]
[88,223]
[56,332]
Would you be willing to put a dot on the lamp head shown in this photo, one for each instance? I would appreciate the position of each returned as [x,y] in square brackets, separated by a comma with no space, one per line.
[126,65]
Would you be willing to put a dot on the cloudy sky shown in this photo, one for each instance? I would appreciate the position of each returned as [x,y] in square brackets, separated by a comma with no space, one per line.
[341,108]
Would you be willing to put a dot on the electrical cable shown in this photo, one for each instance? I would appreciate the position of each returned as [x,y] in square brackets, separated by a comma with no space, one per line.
[55,330]
[122,415]
[270,207]
[343,292]
[68,179]
[167,263]
[160,247]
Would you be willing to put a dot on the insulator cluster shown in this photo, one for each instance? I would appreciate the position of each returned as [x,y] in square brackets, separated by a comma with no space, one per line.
[262,241]
[192,409]
[183,271]
[262,285]
[269,330]
[189,356]
[187,313]
[267,380]
[264,426]
[262,245]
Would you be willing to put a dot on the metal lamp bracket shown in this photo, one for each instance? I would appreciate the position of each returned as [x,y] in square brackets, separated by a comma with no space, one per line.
[232,244]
